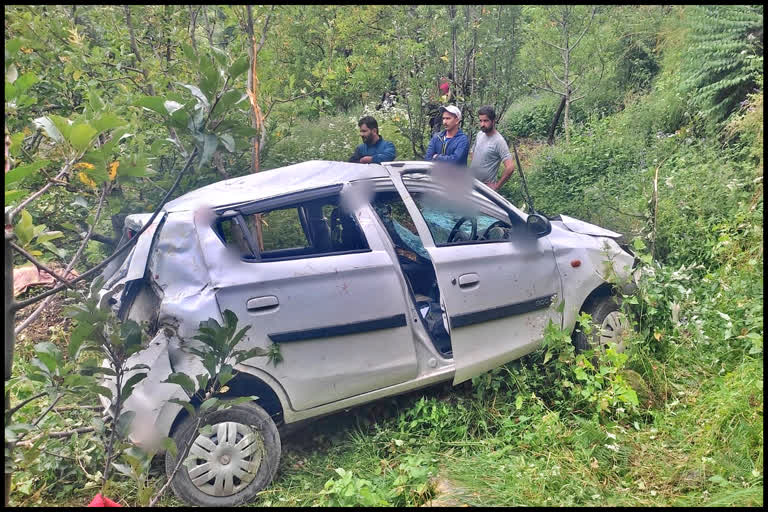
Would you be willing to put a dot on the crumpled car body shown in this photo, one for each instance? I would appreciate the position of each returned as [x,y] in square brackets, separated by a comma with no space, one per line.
[374,280]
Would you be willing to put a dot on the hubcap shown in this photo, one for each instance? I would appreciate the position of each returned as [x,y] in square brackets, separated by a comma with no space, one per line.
[614,330]
[227,460]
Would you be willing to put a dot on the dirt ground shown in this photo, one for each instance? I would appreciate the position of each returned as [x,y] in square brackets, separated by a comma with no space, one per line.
[51,319]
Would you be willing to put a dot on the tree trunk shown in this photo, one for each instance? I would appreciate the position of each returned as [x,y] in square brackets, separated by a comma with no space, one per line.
[452,14]
[9,316]
[553,126]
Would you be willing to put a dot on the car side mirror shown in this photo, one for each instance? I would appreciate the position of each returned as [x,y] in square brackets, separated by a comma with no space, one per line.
[538,225]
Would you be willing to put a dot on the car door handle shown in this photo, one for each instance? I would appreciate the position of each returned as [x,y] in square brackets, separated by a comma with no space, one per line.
[468,280]
[262,303]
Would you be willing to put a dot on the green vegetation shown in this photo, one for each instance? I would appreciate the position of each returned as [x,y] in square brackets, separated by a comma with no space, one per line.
[666,147]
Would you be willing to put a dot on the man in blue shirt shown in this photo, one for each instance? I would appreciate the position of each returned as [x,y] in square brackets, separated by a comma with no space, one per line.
[452,144]
[374,149]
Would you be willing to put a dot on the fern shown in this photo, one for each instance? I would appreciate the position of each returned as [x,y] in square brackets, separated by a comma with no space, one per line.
[725,57]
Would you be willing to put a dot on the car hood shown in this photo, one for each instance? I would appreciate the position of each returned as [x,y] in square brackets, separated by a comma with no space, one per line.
[585,228]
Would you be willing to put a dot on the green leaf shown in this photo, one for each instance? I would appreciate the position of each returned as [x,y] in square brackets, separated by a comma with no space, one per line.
[210,145]
[12,46]
[220,56]
[103,391]
[130,384]
[124,422]
[77,337]
[183,380]
[208,404]
[225,375]
[189,53]
[202,381]
[172,106]
[48,360]
[211,78]
[198,94]
[130,331]
[170,446]
[107,122]
[154,103]
[24,229]
[227,100]
[49,235]
[239,67]
[95,101]
[98,425]
[24,82]
[12,195]
[185,404]
[81,136]
[123,469]
[22,171]
[228,142]
[241,400]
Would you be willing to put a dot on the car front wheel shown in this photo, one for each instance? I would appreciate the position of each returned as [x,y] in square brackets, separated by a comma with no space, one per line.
[230,463]
[610,326]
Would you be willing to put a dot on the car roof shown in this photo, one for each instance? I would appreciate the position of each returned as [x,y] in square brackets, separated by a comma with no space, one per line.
[275,182]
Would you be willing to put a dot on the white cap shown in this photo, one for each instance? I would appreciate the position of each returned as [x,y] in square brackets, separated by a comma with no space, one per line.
[453,109]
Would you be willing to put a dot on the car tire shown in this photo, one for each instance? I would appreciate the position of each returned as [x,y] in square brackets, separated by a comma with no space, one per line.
[610,325]
[234,463]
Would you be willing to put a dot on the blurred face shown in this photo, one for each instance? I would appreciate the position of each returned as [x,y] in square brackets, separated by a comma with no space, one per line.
[450,121]
[368,135]
[486,125]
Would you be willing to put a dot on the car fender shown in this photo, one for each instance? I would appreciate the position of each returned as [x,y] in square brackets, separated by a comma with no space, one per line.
[586,262]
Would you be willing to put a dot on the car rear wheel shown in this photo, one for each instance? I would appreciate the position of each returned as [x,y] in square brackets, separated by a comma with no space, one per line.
[232,463]
[610,326]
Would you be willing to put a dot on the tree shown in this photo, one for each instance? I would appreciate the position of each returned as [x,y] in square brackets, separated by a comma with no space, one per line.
[557,34]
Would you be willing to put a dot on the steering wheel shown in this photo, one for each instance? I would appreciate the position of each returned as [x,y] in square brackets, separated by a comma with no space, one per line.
[499,223]
[456,231]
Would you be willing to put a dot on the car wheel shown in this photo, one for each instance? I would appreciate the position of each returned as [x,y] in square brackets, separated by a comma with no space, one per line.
[610,326]
[230,465]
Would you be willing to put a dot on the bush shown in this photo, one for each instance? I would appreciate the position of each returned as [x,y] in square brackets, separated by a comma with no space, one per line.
[332,138]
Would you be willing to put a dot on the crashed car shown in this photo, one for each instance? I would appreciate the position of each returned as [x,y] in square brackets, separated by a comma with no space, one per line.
[374,280]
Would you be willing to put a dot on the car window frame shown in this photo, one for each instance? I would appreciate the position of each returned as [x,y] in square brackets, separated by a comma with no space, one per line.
[292,200]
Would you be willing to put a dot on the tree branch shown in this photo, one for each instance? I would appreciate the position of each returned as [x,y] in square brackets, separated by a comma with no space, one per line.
[264,32]
[39,265]
[19,305]
[40,192]
[578,40]
[10,412]
[31,318]
[55,435]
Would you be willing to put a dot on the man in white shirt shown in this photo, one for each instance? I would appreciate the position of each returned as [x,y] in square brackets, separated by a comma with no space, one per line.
[490,149]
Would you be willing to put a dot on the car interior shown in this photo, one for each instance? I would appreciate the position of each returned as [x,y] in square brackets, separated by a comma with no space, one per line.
[416,266]
[312,228]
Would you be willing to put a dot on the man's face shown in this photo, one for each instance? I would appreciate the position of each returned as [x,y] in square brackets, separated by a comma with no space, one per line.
[450,121]
[366,134]
[486,125]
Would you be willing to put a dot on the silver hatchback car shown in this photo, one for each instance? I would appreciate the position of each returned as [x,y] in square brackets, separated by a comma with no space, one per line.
[375,280]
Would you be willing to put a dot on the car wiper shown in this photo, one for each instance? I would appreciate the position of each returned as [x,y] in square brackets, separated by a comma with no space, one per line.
[528,197]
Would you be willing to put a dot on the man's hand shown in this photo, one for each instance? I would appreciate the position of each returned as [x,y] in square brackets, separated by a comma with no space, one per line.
[494,186]
[366,160]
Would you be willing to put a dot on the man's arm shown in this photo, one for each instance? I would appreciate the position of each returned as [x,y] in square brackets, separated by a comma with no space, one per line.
[387,153]
[355,158]
[431,149]
[509,168]
[458,152]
